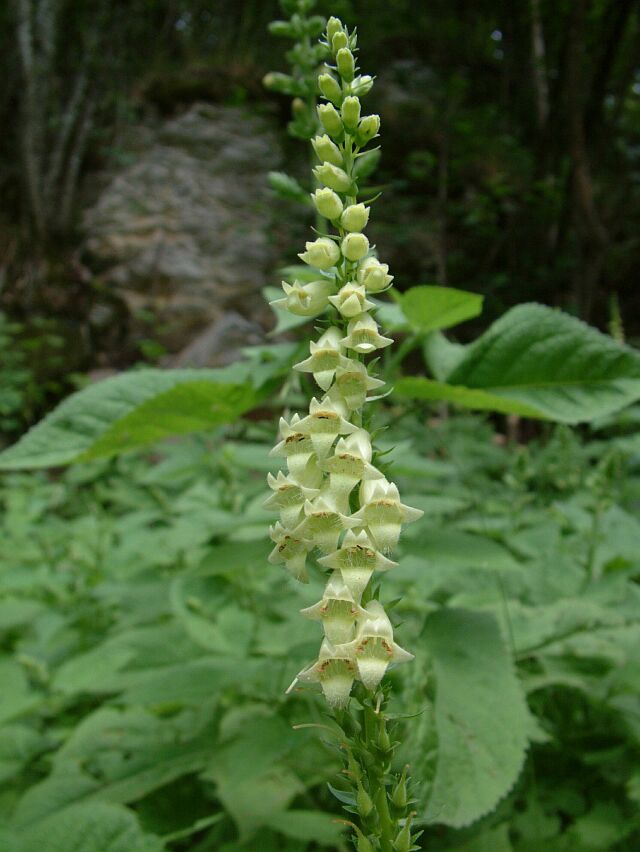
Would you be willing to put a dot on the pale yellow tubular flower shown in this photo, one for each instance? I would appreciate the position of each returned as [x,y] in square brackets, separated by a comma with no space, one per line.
[374,648]
[351,300]
[324,522]
[335,670]
[338,611]
[382,513]
[304,300]
[357,559]
[327,419]
[288,498]
[363,335]
[290,549]
[327,354]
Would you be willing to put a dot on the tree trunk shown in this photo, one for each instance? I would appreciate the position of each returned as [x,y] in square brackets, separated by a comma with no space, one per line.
[592,237]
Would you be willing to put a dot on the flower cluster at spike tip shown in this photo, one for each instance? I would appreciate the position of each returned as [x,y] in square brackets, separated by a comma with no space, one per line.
[333,502]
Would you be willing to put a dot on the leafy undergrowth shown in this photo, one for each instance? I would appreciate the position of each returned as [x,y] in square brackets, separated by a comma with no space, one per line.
[146,646]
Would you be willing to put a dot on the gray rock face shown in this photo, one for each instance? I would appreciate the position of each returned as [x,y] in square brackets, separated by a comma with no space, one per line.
[181,232]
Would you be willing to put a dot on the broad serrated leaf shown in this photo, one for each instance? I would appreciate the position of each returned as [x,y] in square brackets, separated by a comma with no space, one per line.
[452,546]
[129,753]
[16,695]
[88,827]
[429,307]
[132,410]
[18,745]
[480,717]
[539,362]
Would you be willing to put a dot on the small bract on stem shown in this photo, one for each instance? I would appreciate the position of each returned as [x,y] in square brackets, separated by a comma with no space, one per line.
[335,505]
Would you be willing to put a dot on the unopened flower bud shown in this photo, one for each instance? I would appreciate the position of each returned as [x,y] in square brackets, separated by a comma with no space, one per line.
[281,28]
[326,150]
[298,107]
[351,112]
[355,217]
[363,844]
[402,843]
[333,177]
[373,274]
[363,800]
[327,203]
[330,88]
[330,120]
[334,25]
[339,41]
[362,85]
[368,128]
[355,246]
[399,795]
[345,63]
[282,83]
[322,253]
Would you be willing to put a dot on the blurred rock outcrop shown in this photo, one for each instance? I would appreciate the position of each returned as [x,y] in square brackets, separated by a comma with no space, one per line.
[181,231]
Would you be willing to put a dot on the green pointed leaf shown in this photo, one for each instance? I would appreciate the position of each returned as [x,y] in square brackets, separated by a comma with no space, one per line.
[133,410]
[538,362]
[429,307]
[480,718]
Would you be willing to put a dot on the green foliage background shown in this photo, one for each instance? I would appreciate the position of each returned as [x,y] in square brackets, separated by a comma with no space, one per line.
[145,644]
[146,648]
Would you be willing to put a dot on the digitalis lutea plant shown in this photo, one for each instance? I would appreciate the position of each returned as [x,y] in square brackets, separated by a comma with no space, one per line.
[335,505]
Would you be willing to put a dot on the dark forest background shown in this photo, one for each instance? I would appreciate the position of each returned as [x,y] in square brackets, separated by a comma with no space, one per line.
[511,156]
